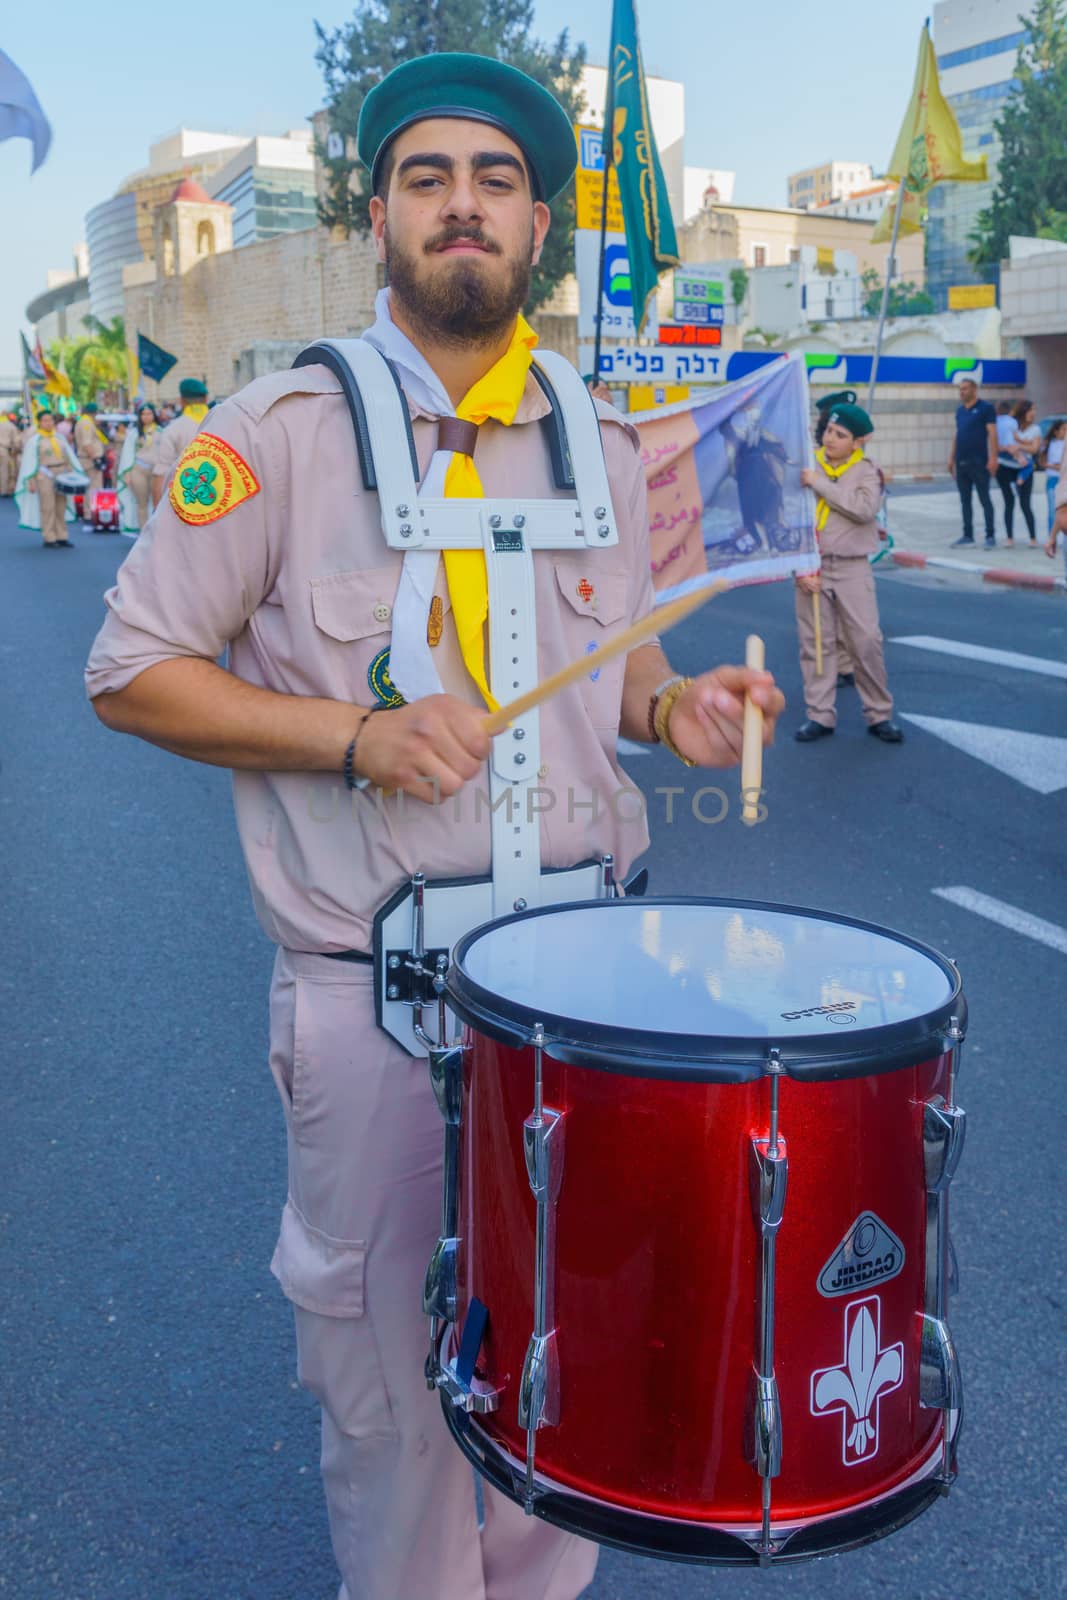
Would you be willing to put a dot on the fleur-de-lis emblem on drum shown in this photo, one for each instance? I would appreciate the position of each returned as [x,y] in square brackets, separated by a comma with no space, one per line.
[857,1387]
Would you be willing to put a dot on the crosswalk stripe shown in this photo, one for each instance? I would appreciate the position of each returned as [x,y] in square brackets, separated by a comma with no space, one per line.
[981,652]
[1007,916]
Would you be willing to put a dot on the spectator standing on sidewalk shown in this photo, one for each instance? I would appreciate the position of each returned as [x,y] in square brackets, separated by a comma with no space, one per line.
[1052,459]
[973,458]
[1058,529]
[1028,443]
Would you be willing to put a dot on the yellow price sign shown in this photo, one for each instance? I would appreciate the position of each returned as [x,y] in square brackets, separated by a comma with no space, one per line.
[971,296]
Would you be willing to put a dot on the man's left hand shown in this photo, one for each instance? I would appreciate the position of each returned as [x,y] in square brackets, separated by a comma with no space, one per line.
[706,721]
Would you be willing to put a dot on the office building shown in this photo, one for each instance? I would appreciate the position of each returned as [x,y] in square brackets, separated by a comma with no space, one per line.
[977,44]
[834,180]
[270,183]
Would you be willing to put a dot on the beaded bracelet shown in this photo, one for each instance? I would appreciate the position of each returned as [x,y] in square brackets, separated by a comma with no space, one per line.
[349,765]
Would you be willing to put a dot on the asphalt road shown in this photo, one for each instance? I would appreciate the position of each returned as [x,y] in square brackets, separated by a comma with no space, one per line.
[153,1441]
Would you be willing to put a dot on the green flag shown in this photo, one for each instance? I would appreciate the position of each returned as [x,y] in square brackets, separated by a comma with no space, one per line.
[630,147]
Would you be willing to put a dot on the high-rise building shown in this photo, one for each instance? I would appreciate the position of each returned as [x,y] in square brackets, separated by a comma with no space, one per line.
[270,183]
[834,180]
[977,44]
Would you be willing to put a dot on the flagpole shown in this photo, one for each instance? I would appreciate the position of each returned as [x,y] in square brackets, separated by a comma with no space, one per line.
[890,269]
[605,144]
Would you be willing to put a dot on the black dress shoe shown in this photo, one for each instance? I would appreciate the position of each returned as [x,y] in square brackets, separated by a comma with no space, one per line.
[888,732]
[812,730]
[64,544]
[846,680]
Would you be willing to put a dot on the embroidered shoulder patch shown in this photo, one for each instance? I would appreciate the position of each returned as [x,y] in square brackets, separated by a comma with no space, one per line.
[209,480]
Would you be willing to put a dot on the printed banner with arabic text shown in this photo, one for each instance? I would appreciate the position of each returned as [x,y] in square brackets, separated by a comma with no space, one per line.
[724,490]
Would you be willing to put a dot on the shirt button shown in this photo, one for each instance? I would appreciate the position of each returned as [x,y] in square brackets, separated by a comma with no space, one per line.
[542,772]
[382,612]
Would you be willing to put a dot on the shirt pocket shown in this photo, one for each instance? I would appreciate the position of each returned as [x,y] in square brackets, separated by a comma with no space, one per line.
[353,612]
[595,610]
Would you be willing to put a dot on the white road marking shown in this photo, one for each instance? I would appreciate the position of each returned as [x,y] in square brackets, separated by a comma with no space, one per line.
[981,652]
[1007,916]
[1037,759]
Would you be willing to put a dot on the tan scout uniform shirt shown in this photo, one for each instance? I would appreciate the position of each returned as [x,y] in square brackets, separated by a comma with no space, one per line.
[299,581]
[854,498]
[173,439]
[87,440]
[9,435]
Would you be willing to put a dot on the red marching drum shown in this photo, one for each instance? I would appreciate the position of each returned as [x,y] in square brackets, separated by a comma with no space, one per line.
[689,1297]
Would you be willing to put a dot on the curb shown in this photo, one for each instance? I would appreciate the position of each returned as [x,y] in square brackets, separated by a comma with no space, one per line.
[1002,575]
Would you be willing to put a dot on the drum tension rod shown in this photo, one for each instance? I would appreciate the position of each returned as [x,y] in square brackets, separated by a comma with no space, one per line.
[770,1172]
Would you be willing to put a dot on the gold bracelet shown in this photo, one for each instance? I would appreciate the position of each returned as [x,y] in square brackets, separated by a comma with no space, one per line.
[661,721]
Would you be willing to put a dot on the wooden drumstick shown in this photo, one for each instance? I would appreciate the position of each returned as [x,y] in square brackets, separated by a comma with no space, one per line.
[752,739]
[657,621]
[817,613]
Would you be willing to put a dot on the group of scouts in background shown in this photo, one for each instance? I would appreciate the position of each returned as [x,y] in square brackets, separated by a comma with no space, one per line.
[41,462]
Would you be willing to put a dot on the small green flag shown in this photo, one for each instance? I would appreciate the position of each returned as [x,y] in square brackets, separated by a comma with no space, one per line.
[630,147]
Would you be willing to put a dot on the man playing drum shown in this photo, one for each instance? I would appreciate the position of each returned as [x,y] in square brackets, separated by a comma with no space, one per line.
[269,543]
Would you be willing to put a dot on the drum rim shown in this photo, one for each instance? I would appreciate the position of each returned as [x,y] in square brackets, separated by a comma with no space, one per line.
[887,1048]
[668,1540]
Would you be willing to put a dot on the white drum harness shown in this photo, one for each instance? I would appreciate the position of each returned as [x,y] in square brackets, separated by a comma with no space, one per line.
[415,930]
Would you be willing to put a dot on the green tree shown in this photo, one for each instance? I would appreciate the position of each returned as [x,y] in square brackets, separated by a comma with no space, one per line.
[1032,176]
[739,288]
[93,362]
[905,299]
[384,33]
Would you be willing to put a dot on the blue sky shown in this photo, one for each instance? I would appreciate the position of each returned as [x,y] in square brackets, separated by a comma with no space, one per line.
[769,89]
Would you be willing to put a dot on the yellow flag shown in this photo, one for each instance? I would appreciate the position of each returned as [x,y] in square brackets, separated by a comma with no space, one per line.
[910,219]
[133,375]
[929,148]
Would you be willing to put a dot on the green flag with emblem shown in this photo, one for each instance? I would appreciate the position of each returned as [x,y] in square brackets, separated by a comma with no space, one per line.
[630,147]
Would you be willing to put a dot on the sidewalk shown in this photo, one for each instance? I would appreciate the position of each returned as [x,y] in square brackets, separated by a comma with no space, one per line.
[924,526]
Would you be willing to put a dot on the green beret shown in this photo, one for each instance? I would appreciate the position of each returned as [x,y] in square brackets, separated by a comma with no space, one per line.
[476,89]
[843,397]
[854,418]
[90,408]
[192,389]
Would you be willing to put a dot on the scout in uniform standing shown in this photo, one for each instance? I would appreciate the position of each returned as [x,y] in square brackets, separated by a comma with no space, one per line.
[849,491]
[90,445]
[10,445]
[268,541]
[135,466]
[40,504]
[177,435]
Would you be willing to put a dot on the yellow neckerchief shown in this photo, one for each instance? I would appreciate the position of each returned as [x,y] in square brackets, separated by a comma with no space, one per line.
[495,395]
[822,510]
[53,438]
[198,411]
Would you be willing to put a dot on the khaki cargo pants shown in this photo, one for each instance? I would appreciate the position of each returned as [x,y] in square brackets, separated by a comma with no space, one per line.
[362,1217]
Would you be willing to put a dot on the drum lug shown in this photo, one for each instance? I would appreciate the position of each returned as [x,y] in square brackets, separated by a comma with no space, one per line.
[539,1384]
[940,1385]
[764,1443]
[439,1289]
[944,1130]
[477,1397]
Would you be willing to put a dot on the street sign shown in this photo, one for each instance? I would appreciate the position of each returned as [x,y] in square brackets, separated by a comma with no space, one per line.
[616,301]
[589,184]
[622,363]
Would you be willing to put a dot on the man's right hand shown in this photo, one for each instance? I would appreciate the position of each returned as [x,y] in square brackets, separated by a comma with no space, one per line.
[952,469]
[429,750]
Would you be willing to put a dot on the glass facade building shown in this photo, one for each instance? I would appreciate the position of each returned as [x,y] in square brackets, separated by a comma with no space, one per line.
[268,201]
[111,235]
[977,44]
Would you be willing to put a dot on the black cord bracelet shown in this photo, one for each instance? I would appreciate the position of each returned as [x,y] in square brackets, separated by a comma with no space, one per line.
[349,766]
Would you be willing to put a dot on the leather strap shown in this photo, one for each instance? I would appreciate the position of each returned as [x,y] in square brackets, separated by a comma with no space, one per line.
[455,434]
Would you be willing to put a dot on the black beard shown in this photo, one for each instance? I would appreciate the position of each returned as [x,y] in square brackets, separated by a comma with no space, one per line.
[461,307]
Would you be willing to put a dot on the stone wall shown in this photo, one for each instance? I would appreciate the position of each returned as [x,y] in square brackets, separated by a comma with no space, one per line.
[914,427]
[295,288]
